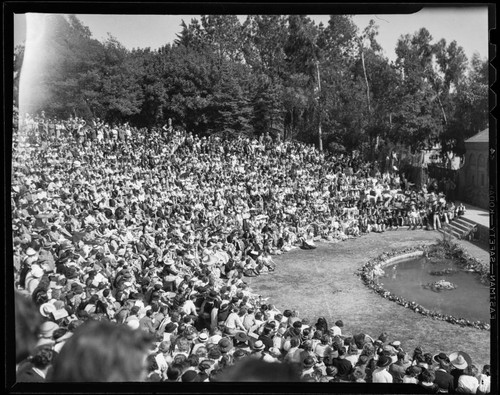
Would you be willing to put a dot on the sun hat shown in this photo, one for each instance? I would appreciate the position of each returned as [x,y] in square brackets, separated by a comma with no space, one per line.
[441,357]
[258,346]
[225,344]
[46,309]
[212,294]
[241,337]
[458,360]
[203,337]
[396,343]
[384,361]
[47,329]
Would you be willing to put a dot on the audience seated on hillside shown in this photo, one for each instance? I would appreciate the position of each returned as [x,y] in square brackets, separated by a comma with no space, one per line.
[133,239]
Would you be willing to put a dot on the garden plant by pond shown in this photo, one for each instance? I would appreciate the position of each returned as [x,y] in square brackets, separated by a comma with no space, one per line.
[445,248]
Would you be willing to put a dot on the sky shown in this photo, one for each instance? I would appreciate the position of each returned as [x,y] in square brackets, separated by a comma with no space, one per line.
[468,26]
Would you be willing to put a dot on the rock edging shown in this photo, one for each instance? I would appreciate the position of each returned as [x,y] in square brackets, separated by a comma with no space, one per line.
[373,269]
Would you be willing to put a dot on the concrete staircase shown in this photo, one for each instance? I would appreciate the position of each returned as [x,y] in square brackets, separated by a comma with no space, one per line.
[465,229]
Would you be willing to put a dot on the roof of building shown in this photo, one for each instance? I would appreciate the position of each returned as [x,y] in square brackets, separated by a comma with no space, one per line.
[481,137]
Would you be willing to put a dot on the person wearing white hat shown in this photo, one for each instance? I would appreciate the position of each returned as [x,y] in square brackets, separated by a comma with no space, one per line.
[459,362]
[33,278]
[47,308]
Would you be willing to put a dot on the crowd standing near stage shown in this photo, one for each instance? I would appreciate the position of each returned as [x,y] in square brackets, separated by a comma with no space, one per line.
[134,245]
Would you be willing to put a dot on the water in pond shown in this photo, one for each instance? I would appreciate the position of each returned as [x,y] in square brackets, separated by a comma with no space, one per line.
[470,300]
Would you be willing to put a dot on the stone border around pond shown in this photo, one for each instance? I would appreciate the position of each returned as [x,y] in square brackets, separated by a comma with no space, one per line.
[370,272]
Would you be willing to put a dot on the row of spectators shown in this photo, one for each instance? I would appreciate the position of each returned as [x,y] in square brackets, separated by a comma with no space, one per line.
[148,238]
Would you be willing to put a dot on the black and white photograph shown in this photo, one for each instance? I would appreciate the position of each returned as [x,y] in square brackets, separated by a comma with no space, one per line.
[224,197]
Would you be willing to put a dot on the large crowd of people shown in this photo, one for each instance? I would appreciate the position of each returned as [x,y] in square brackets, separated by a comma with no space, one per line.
[138,241]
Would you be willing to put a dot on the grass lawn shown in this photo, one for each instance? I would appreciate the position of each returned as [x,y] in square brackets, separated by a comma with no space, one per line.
[322,282]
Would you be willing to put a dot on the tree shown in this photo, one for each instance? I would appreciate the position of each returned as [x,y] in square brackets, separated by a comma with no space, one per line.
[224,34]
[191,36]
[418,121]
[264,39]
[469,110]
[121,95]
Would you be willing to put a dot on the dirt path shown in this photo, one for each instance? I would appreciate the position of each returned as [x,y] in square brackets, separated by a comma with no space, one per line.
[322,282]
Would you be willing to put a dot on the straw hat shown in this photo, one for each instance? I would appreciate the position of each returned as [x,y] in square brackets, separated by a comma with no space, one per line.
[258,345]
[30,252]
[441,357]
[458,360]
[47,328]
[384,361]
[46,309]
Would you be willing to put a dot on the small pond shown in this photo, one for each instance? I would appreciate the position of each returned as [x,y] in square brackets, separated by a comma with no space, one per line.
[470,299]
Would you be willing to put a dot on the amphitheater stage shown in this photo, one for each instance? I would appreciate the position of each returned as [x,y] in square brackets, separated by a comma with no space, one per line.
[323,282]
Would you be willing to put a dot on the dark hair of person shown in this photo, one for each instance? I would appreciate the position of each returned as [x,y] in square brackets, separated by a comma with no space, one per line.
[427,376]
[42,358]
[193,360]
[174,371]
[102,351]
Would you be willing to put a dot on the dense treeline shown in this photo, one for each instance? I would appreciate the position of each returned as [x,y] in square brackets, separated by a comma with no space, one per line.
[281,74]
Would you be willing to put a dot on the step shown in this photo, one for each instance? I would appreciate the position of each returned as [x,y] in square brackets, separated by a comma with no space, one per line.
[458,232]
[465,228]
[448,234]
[460,225]
[463,219]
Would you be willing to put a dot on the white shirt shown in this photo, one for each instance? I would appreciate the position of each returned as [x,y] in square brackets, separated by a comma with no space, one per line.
[336,331]
[233,321]
[189,308]
[381,376]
